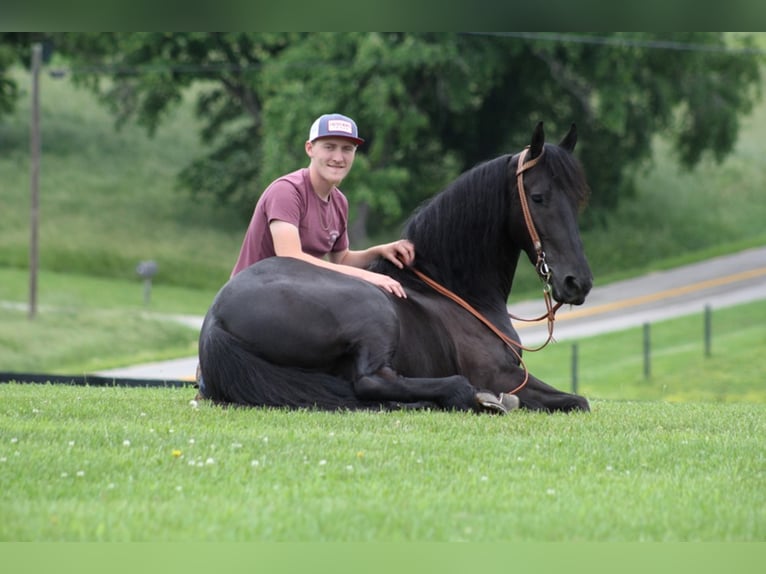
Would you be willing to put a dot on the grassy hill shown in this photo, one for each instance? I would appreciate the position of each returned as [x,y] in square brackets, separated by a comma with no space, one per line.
[108,198]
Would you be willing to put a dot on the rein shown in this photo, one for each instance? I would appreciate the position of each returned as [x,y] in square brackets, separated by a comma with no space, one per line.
[541,266]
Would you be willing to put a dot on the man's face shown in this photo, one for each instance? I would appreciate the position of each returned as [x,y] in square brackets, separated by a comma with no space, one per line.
[332,157]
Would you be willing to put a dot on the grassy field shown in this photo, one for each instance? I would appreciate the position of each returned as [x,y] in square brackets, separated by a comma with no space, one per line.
[86,324]
[117,464]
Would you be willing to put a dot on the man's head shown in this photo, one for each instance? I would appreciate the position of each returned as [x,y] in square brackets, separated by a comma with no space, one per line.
[332,143]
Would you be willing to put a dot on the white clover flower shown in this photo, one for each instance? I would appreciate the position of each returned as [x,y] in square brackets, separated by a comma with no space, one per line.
[126,442]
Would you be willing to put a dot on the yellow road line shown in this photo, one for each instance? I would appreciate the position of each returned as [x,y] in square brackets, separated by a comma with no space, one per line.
[652,297]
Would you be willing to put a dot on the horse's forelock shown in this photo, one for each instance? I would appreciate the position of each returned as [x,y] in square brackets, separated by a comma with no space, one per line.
[565,167]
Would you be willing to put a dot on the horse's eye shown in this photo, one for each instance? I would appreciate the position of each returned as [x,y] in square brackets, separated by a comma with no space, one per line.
[537,197]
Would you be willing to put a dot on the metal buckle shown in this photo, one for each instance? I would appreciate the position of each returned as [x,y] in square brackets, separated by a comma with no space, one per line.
[544,272]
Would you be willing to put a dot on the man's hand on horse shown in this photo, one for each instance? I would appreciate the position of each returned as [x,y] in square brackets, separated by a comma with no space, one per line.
[401,253]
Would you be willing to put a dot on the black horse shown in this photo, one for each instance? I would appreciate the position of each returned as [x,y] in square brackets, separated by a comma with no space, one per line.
[286,333]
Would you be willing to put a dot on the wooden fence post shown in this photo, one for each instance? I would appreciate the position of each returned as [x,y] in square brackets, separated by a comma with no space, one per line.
[574,368]
[647,351]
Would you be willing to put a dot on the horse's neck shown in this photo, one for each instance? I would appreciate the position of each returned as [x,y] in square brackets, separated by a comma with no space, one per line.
[486,284]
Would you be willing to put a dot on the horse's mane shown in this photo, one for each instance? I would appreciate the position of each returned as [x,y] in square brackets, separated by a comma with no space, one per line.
[476,206]
[464,234]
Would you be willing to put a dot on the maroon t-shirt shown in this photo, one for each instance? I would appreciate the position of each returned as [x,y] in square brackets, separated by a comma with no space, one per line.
[322,225]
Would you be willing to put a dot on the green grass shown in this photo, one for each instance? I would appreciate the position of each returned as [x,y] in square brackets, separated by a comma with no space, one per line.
[100,340]
[86,324]
[611,366]
[117,464]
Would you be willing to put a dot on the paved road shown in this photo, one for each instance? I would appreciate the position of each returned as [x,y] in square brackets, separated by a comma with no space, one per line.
[719,282]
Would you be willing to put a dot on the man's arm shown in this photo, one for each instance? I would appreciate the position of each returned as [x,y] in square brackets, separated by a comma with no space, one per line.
[287,243]
[401,253]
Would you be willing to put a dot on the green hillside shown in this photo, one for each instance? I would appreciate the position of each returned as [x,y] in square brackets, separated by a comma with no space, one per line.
[108,198]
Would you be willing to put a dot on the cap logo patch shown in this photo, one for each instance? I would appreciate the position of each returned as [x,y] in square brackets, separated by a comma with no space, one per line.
[339,126]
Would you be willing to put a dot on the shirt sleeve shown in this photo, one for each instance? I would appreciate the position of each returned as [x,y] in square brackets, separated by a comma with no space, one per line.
[284,202]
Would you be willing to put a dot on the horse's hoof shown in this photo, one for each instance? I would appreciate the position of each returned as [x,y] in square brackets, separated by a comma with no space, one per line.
[510,402]
[490,403]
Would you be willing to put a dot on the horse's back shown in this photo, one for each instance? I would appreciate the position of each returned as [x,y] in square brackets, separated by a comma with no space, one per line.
[295,313]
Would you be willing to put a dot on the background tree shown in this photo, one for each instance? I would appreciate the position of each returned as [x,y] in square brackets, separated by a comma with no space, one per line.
[429,105]
[15,49]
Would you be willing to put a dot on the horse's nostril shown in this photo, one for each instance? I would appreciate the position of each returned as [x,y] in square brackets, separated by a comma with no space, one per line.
[575,285]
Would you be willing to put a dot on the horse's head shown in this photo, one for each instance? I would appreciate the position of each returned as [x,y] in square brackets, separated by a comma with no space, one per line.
[554,187]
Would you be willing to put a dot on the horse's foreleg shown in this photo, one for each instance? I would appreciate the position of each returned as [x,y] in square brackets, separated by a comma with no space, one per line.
[454,392]
[539,396]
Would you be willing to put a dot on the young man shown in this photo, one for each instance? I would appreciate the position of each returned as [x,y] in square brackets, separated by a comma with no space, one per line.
[304,215]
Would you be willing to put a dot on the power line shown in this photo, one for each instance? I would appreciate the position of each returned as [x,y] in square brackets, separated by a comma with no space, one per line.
[623,42]
[564,38]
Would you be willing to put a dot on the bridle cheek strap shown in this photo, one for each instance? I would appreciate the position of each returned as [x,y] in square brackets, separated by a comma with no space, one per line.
[540,265]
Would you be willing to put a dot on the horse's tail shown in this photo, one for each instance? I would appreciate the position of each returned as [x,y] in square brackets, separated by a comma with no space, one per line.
[234,374]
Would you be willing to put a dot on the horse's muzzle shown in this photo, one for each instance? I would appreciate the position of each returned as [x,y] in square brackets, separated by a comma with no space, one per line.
[572,290]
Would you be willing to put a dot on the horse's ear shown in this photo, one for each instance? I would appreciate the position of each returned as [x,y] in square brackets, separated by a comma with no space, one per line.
[569,141]
[538,140]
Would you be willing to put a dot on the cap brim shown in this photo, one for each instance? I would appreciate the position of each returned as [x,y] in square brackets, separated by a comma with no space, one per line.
[357,141]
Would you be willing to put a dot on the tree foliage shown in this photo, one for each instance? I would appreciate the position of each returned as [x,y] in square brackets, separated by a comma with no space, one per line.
[429,105]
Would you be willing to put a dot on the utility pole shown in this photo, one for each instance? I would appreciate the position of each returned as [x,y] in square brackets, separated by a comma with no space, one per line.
[34,149]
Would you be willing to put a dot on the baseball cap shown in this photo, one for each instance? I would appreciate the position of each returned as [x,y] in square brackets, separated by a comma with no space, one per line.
[335,125]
